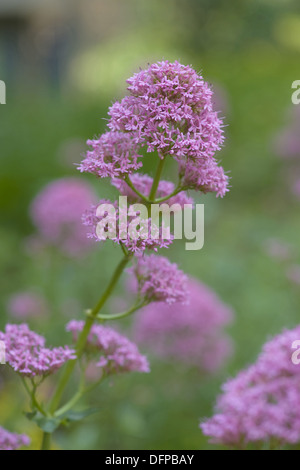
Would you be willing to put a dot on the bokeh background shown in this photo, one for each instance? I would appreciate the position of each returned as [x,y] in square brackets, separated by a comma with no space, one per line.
[64,63]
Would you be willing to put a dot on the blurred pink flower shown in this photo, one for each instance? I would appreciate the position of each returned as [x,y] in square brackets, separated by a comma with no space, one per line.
[286,143]
[296,188]
[293,273]
[278,249]
[56,212]
[24,305]
[192,334]
[262,403]
[12,441]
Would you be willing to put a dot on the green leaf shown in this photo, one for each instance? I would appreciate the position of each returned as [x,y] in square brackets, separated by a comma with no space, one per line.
[30,415]
[50,424]
[43,422]
[72,415]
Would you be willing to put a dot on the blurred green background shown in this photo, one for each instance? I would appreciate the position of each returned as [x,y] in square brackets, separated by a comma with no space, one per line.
[63,66]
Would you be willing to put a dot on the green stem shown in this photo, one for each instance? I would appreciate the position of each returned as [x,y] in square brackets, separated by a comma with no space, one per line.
[36,404]
[69,404]
[46,443]
[80,392]
[26,386]
[156,179]
[125,251]
[31,394]
[83,390]
[131,185]
[81,342]
[117,316]
[76,398]
[165,198]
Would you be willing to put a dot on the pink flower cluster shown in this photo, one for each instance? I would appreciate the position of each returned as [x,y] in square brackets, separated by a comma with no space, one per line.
[156,279]
[12,441]
[262,403]
[204,175]
[169,110]
[146,236]
[113,154]
[192,334]
[26,353]
[143,183]
[117,353]
[57,211]
[26,305]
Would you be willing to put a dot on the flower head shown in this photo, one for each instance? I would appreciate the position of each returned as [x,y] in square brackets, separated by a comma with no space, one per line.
[113,154]
[12,441]
[204,175]
[134,232]
[191,334]
[159,280]
[115,352]
[56,212]
[261,403]
[170,110]
[26,353]
[26,305]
